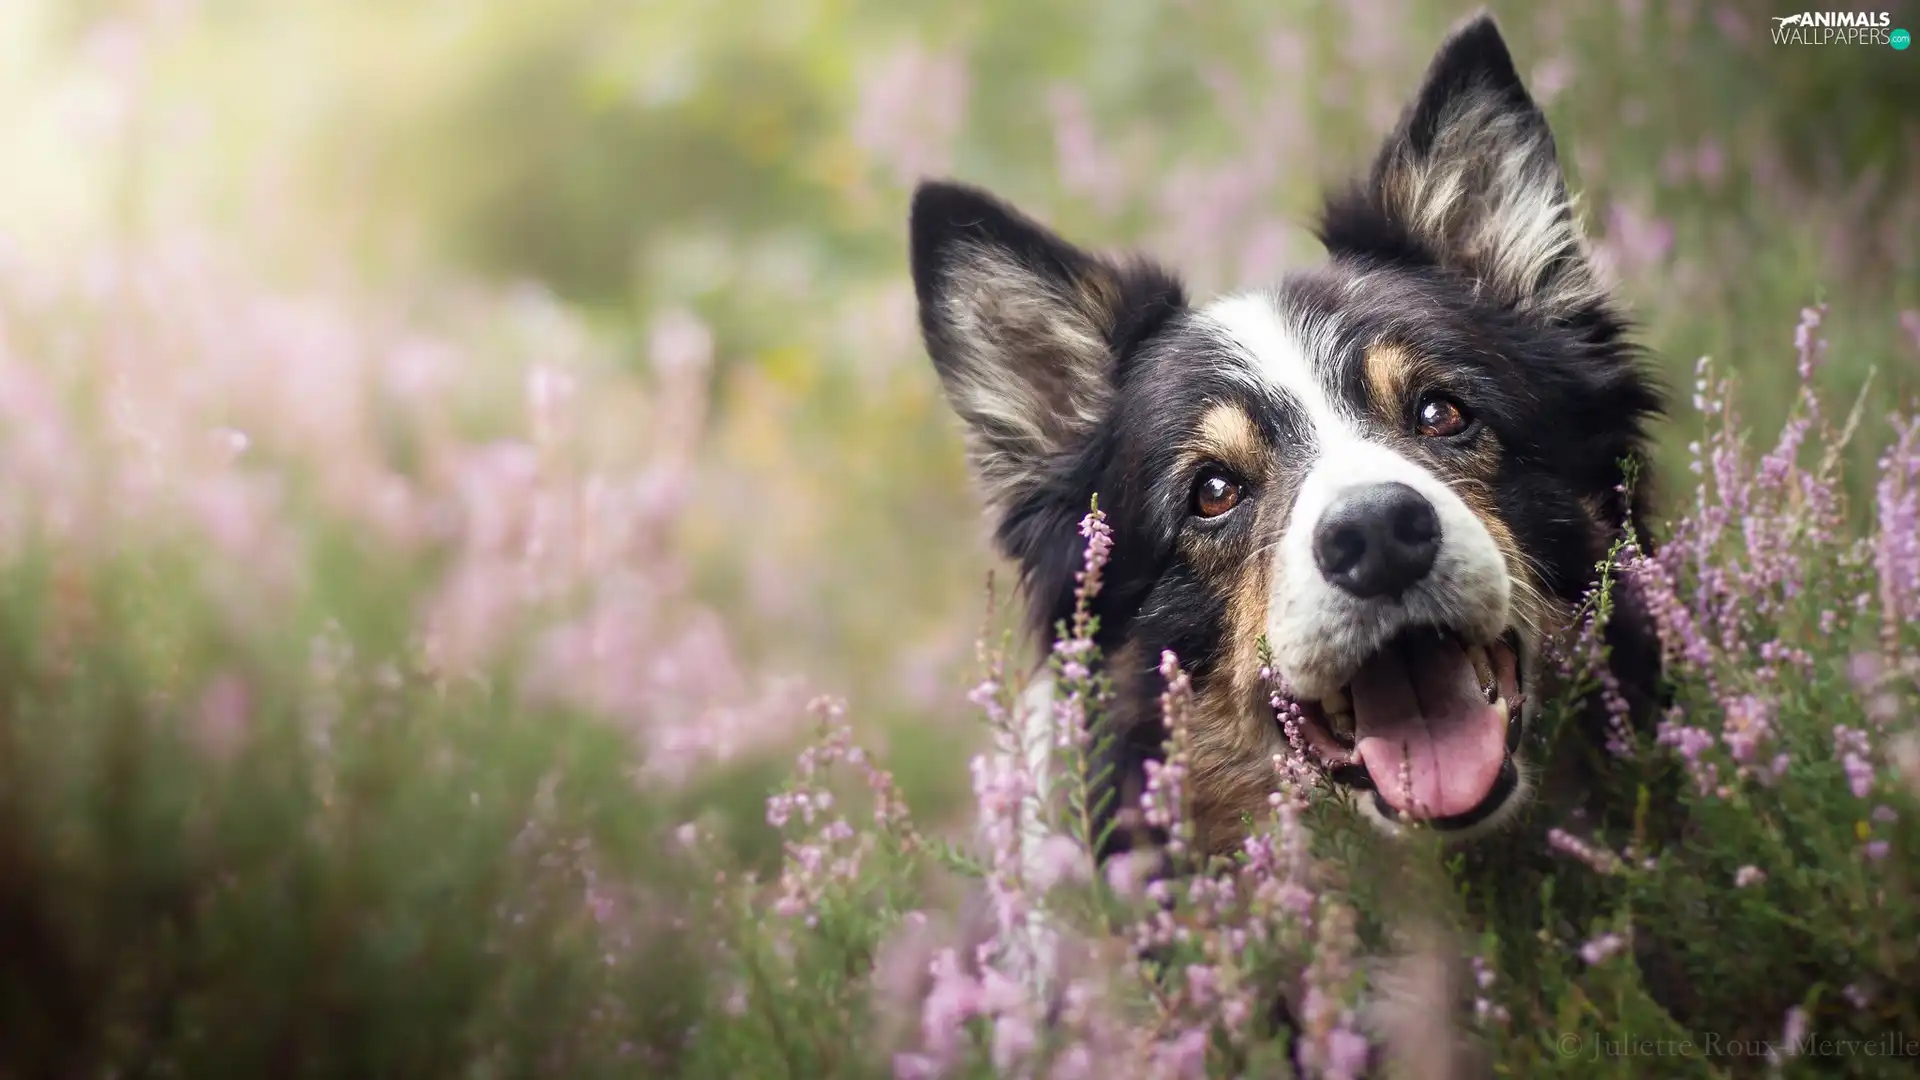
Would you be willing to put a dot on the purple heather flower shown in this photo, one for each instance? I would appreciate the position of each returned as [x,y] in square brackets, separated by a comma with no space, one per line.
[1793,1031]
[1183,1057]
[1601,949]
[1599,859]
[1854,751]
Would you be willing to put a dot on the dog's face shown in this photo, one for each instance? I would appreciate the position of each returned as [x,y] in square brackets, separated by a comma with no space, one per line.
[1398,469]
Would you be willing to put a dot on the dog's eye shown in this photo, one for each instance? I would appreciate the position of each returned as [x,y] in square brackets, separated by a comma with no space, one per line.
[1441,417]
[1215,493]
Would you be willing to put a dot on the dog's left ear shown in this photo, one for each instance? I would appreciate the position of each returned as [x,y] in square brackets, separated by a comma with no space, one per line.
[1026,331]
[1470,180]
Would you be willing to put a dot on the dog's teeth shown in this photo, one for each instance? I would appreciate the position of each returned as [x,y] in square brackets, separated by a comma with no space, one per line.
[1483,669]
[1500,706]
[1341,723]
[1336,702]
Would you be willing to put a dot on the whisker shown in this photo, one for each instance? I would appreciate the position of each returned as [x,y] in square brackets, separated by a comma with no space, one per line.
[1265,548]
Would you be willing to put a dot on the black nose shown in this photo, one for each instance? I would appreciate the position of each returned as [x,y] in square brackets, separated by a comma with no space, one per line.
[1377,540]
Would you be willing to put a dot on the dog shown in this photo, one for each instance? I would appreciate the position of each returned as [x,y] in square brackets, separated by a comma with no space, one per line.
[1399,469]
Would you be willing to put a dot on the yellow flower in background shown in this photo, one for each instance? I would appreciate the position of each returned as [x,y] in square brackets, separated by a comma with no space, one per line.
[794,368]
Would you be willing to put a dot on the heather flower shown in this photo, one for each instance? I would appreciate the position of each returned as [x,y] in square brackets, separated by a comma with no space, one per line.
[954,999]
[1635,240]
[1000,786]
[1330,1045]
[1061,860]
[1163,804]
[1748,876]
[1085,167]
[550,390]
[1485,1009]
[224,716]
[1905,753]
[1747,727]
[1076,690]
[1806,340]
[1692,743]
[825,854]
[1599,859]
[1897,551]
[1294,725]
[1601,949]
[1793,1034]
[1709,162]
[1854,751]
[1346,1054]
[911,108]
[1183,1057]
[1278,859]
[1014,1039]
[1127,872]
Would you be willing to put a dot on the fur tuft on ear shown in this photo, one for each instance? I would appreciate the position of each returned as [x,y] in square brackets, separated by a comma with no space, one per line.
[1470,180]
[1025,330]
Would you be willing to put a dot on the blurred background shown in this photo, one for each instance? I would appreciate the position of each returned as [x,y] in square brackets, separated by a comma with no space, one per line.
[707,200]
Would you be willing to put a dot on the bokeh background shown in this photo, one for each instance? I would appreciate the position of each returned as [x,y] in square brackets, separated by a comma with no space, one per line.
[687,219]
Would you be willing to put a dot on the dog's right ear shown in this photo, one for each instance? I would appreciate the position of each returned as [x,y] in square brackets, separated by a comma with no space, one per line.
[1470,179]
[1025,329]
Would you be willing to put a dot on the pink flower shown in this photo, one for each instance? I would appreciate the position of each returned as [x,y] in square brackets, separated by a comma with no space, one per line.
[224,716]
[911,108]
[1182,1058]
[1347,1054]
[1014,1040]
[953,1000]
[1601,949]
[1598,858]
[1127,871]
[1793,1033]
[1061,859]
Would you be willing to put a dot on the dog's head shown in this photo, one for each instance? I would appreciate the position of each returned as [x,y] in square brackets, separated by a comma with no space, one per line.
[1398,469]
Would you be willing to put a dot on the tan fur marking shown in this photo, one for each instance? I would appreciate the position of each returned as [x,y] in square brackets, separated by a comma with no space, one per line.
[1227,435]
[1479,499]
[1390,370]
[1530,602]
[1233,735]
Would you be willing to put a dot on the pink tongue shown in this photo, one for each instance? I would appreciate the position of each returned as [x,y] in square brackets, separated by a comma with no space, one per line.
[1424,730]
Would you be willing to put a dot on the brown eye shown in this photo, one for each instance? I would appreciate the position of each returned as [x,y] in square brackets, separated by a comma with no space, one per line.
[1215,493]
[1441,417]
